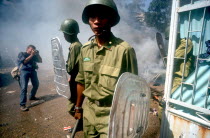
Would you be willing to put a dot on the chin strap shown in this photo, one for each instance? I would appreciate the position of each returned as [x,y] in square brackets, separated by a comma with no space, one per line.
[91,37]
[103,32]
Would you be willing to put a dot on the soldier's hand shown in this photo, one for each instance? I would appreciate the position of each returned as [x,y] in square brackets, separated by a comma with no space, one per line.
[69,79]
[78,114]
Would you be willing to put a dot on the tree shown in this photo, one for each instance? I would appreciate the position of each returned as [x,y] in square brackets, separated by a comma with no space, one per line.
[158,14]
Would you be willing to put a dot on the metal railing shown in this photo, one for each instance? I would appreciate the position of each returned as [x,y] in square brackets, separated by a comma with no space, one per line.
[187,8]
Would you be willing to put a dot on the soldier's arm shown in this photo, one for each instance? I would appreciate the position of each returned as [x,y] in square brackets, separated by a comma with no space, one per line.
[80,88]
[73,58]
[80,99]
[131,61]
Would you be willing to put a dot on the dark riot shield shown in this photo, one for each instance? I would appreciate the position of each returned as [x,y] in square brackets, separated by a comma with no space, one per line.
[130,107]
[60,78]
[161,47]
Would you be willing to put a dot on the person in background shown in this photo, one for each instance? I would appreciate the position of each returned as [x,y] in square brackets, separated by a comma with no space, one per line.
[27,63]
[70,29]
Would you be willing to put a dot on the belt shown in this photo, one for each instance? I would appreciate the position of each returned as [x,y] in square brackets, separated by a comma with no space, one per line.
[104,103]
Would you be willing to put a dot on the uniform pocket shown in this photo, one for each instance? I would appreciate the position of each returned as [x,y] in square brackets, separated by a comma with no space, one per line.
[88,71]
[88,67]
[108,77]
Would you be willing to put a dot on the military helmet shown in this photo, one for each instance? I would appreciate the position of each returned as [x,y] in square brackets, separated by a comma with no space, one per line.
[69,26]
[109,4]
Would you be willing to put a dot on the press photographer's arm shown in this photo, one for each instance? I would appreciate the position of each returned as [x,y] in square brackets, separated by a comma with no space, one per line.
[32,54]
[29,57]
[39,59]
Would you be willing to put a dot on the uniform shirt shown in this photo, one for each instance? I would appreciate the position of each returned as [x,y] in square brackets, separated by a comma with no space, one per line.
[101,67]
[72,61]
[31,65]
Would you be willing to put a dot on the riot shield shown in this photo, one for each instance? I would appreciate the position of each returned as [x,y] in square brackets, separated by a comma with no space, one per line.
[60,78]
[130,107]
[160,44]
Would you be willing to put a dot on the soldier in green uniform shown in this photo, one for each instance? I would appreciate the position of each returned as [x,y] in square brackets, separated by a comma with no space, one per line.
[70,29]
[102,60]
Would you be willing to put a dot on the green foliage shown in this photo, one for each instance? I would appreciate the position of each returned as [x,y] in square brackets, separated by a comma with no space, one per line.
[158,14]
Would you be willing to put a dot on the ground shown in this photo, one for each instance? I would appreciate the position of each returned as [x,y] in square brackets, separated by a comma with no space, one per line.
[46,119]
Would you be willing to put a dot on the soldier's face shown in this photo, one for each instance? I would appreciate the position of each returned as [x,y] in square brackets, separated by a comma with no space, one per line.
[68,37]
[99,23]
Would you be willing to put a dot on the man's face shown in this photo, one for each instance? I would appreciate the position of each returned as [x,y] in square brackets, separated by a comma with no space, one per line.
[69,38]
[29,50]
[99,22]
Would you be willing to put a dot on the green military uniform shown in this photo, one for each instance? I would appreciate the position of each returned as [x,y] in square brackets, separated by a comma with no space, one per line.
[179,63]
[72,61]
[99,71]
[72,67]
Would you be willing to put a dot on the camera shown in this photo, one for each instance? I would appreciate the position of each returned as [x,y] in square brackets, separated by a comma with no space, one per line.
[36,51]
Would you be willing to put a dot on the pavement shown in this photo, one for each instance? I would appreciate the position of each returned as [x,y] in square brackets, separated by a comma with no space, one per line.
[45,118]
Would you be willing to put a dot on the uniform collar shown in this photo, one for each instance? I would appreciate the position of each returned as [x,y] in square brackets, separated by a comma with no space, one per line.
[75,42]
[111,43]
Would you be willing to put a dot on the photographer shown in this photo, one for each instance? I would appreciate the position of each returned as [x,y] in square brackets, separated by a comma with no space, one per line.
[27,63]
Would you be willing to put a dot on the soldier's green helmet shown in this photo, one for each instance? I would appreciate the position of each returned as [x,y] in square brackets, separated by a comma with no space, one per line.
[110,7]
[70,26]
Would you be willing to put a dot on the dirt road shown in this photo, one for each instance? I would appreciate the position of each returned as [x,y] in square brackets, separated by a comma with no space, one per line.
[43,120]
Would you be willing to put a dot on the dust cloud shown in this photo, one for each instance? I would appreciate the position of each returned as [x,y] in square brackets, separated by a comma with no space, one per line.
[24,22]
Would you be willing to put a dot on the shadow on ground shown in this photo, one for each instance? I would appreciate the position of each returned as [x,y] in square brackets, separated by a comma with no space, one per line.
[43,99]
[6,79]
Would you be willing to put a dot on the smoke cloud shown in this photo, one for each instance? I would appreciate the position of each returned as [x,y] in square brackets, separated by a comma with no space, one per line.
[25,22]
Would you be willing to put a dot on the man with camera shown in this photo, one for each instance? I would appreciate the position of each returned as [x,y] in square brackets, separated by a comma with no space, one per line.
[27,63]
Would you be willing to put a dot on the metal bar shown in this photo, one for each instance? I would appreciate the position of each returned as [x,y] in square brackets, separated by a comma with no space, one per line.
[193,107]
[207,93]
[201,4]
[178,58]
[170,64]
[187,83]
[199,49]
[194,31]
[172,48]
[189,117]
[185,53]
[75,128]
[201,116]
[204,59]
